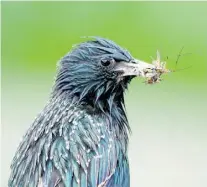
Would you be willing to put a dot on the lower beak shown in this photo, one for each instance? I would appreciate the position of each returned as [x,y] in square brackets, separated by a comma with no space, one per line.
[136,68]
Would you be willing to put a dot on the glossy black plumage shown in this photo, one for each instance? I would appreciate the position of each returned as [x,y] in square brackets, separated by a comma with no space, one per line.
[80,138]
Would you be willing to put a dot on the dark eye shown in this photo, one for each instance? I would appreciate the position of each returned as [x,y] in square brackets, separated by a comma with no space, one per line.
[107,62]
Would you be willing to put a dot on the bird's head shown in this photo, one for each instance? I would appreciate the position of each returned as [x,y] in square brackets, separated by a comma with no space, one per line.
[98,71]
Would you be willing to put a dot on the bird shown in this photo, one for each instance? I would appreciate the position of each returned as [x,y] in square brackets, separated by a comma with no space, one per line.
[81,137]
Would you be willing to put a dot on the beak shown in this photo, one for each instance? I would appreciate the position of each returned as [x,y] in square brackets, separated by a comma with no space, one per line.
[136,68]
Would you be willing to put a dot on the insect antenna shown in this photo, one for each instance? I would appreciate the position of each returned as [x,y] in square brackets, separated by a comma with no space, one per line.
[178,57]
[173,71]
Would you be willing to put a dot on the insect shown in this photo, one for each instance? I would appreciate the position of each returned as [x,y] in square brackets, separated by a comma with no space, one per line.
[160,68]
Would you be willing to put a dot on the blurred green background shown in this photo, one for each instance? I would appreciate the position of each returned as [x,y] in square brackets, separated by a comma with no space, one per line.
[168,145]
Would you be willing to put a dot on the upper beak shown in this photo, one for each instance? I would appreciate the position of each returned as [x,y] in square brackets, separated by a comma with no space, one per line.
[136,68]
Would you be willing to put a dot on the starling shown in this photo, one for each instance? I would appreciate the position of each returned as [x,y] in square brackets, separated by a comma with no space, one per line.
[80,138]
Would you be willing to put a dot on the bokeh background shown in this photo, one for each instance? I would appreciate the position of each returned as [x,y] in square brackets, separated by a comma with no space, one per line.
[168,145]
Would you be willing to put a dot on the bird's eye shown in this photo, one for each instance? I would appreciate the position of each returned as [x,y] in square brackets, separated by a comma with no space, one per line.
[107,62]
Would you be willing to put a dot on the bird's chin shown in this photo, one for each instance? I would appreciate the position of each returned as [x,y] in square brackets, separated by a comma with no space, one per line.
[125,79]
